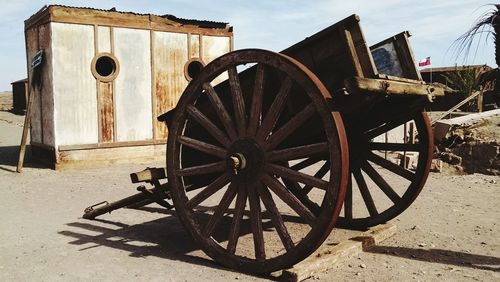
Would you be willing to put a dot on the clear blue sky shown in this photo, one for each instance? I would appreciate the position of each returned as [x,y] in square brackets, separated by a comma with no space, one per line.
[276,24]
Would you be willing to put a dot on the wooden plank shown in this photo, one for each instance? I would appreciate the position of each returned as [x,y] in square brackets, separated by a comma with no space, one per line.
[327,256]
[90,16]
[111,145]
[40,17]
[335,53]
[31,36]
[104,39]
[194,46]
[120,19]
[359,85]
[362,51]
[45,88]
[100,157]
[106,111]
[351,48]
[407,58]
[24,137]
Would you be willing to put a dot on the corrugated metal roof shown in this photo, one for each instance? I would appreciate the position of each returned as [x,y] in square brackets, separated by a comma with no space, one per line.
[200,23]
[19,81]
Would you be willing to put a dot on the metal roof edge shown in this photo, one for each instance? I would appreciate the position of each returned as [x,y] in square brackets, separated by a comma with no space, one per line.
[182,21]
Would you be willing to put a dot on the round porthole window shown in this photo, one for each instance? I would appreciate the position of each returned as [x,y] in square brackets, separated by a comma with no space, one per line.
[105,67]
[192,68]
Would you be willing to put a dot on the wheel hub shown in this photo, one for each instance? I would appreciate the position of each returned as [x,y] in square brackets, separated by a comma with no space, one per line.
[245,159]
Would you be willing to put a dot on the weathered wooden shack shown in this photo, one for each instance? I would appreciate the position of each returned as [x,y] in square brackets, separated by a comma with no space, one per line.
[106,76]
[19,96]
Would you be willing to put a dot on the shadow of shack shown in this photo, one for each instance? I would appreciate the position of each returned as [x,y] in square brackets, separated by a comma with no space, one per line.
[106,76]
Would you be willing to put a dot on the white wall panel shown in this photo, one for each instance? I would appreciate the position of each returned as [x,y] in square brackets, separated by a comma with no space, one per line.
[170,56]
[133,85]
[214,47]
[75,101]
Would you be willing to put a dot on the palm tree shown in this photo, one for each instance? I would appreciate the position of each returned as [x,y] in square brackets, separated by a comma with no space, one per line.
[488,24]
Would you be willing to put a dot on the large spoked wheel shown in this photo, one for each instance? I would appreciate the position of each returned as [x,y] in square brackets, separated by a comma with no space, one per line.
[235,158]
[379,187]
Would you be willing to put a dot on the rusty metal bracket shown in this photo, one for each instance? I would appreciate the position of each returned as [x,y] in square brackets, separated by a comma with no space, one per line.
[91,208]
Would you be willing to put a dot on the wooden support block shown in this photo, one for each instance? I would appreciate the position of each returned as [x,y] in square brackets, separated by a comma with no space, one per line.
[148,174]
[326,257]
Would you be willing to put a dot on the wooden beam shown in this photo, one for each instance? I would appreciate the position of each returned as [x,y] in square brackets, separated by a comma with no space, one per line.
[326,257]
[111,145]
[360,85]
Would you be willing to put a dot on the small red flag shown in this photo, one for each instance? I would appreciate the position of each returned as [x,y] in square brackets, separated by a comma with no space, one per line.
[425,62]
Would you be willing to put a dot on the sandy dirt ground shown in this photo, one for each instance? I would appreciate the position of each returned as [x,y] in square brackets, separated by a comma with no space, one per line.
[451,232]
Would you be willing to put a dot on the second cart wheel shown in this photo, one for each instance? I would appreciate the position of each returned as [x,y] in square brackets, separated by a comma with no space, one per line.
[380,189]
[228,154]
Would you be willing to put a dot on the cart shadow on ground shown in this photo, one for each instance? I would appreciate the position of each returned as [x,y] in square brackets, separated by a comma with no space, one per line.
[164,238]
[460,259]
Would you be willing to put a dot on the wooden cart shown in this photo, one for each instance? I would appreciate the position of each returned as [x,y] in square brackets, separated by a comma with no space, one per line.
[262,166]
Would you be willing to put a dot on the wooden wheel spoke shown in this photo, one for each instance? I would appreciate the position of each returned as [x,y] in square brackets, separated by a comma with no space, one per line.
[208,125]
[276,218]
[209,190]
[297,152]
[256,222]
[203,147]
[381,183]
[348,199]
[238,102]
[305,163]
[324,169]
[202,169]
[221,209]
[297,176]
[220,110]
[365,193]
[234,231]
[394,146]
[391,166]
[256,109]
[291,126]
[296,190]
[275,110]
[289,198]
[372,133]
